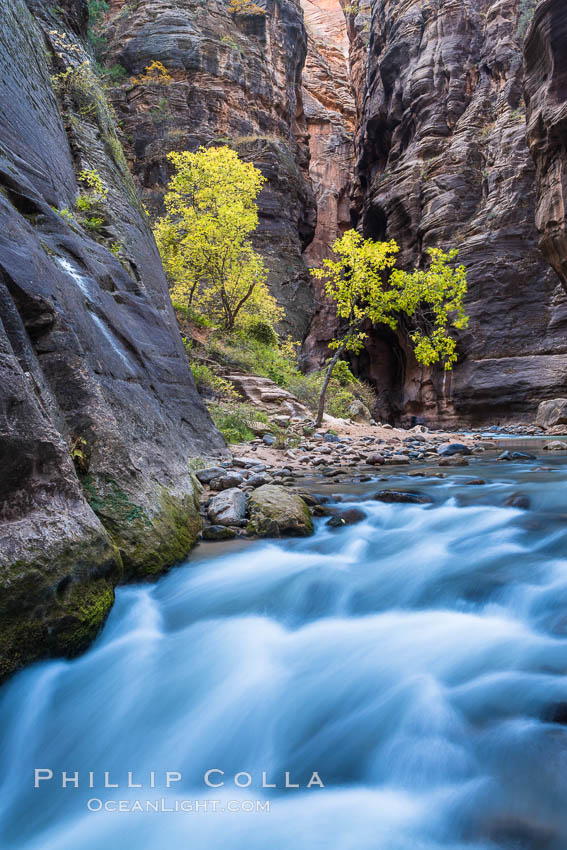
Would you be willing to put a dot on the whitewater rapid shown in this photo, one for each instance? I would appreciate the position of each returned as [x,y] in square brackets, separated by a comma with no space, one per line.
[416,662]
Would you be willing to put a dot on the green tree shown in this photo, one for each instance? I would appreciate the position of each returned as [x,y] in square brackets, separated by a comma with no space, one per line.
[204,238]
[367,288]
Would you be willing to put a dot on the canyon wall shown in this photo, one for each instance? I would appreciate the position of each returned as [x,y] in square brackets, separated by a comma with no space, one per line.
[234,79]
[545,52]
[330,112]
[98,410]
[443,160]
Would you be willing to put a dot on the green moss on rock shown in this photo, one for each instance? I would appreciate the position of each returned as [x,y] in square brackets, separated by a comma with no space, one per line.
[56,603]
[149,541]
[275,512]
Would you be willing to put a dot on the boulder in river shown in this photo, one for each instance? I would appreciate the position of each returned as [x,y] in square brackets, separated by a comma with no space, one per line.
[455,460]
[350,516]
[518,500]
[275,512]
[556,446]
[402,496]
[228,507]
[449,449]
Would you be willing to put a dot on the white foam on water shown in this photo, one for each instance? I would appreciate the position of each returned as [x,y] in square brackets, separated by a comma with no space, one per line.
[416,661]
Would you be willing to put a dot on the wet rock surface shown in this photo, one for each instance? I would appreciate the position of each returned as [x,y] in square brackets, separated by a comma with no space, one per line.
[274,511]
[99,412]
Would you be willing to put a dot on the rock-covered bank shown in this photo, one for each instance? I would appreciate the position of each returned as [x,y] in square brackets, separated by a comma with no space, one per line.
[98,410]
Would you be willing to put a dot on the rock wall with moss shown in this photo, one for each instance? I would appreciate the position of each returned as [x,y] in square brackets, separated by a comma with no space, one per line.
[99,414]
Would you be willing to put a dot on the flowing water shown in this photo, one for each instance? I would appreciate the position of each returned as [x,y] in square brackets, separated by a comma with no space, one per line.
[415,661]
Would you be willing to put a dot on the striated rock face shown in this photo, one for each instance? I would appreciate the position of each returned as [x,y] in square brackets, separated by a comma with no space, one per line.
[444,161]
[234,80]
[330,112]
[546,97]
[98,410]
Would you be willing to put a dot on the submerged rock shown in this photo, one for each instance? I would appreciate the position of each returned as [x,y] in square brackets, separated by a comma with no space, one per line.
[449,449]
[517,500]
[218,532]
[403,496]
[275,511]
[350,516]
[456,460]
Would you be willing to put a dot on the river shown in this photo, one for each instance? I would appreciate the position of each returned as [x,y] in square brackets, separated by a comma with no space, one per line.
[415,663]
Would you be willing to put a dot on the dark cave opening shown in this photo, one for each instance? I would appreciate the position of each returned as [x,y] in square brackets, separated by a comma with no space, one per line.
[375,224]
[382,364]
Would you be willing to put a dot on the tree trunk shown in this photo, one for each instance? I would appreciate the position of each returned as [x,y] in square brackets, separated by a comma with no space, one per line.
[332,365]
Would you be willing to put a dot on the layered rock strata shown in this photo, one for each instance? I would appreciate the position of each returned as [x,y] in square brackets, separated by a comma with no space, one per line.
[233,79]
[444,162]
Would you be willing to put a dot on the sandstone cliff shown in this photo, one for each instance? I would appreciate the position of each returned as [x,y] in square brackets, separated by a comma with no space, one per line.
[330,112]
[545,51]
[99,413]
[444,161]
[235,79]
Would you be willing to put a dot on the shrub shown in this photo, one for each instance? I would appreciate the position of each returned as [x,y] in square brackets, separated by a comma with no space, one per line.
[115,74]
[343,389]
[205,379]
[155,74]
[240,351]
[234,420]
[245,7]
[262,332]
[92,179]
[98,9]
[94,222]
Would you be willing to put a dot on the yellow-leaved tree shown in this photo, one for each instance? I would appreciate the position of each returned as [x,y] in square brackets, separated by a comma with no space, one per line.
[367,288]
[204,238]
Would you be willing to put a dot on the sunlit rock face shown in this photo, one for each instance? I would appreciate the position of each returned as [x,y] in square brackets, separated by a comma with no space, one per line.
[235,80]
[444,161]
[331,121]
[546,96]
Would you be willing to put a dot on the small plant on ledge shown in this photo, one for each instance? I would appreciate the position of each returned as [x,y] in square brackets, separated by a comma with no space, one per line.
[155,74]
[243,8]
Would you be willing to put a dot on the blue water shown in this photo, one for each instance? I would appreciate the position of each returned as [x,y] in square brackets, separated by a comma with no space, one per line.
[416,662]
